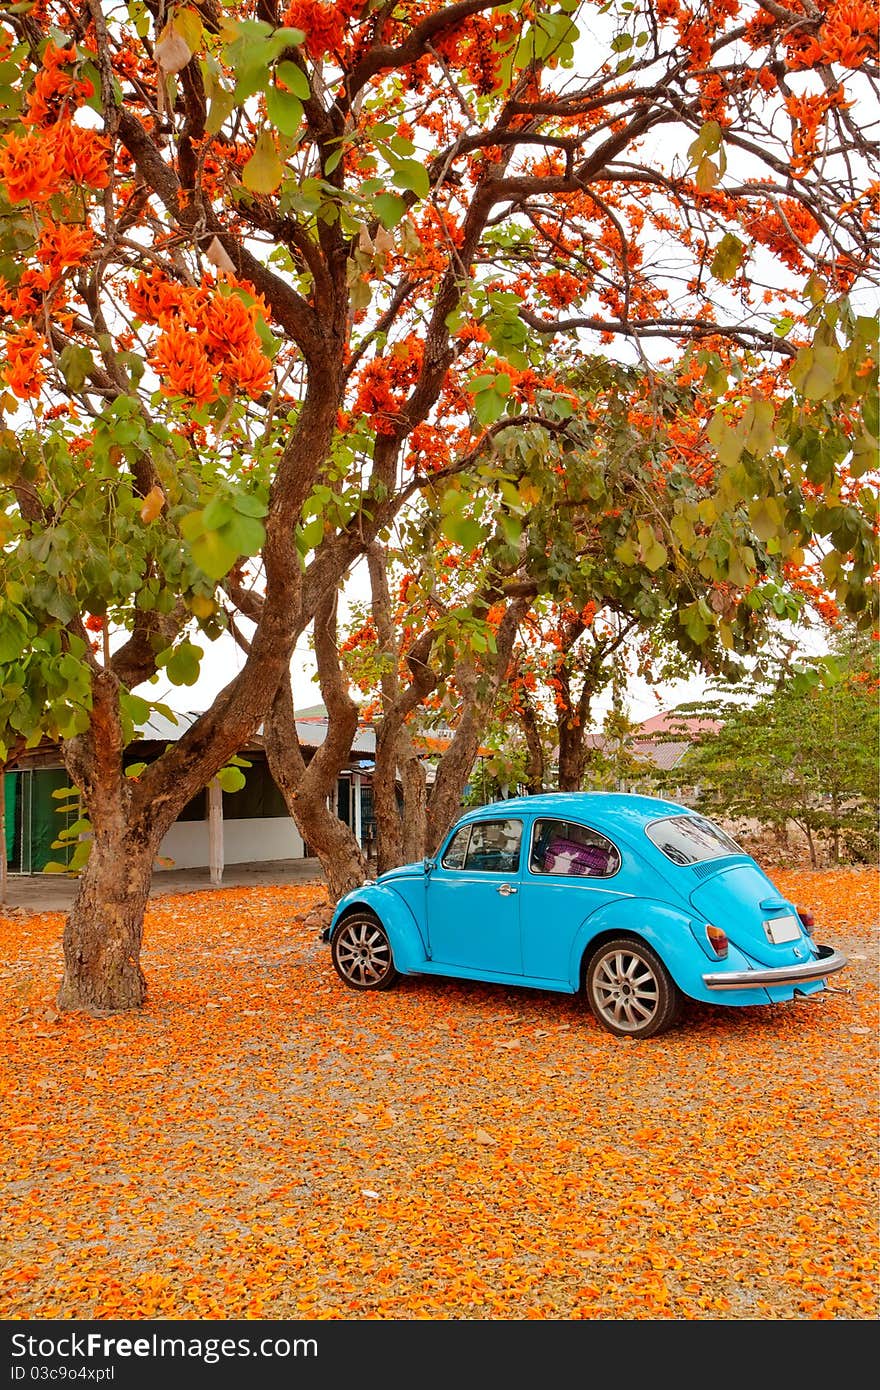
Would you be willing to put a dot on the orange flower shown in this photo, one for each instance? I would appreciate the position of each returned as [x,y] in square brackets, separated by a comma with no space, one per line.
[61,246]
[249,371]
[35,166]
[323,25]
[83,154]
[179,359]
[23,373]
[29,168]
[55,92]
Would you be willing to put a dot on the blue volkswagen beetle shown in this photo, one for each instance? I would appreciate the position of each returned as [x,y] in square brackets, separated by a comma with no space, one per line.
[636,902]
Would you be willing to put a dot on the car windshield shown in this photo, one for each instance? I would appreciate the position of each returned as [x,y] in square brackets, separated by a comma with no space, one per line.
[690,839]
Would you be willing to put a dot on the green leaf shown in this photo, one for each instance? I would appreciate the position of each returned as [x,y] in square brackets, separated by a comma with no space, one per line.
[815,370]
[655,556]
[389,209]
[231,779]
[221,108]
[264,171]
[216,514]
[284,111]
[213,554]
[489,406]
[294,78]
[727,440]
[413,176]
[13,640]
[463,530]
[183,666]
[76,362]
[248,504]
[244,533]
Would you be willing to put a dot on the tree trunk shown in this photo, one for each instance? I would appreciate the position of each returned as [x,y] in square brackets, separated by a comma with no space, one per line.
[534,748]
[476,700]
[102,935]
[808,832]
[306,788]
[400,833]
[415,805]
[572,755]
[389,823]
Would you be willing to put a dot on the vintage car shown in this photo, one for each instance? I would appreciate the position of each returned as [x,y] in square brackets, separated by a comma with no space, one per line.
[636,902]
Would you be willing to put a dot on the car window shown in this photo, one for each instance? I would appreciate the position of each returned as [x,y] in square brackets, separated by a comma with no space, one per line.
[494,846]
[456,849]
[563,847]
[690,839]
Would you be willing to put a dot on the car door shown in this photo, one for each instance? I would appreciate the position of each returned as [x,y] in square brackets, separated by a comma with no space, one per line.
[472,899]
[571,871]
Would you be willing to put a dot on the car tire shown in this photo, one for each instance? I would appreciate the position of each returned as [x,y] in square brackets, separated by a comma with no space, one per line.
[630,991]
[361,952]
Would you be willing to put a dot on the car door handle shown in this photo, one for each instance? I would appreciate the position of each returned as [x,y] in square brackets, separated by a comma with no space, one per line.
[506,889]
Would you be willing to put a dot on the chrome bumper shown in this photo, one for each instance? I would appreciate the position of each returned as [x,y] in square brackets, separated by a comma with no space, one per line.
[826,963]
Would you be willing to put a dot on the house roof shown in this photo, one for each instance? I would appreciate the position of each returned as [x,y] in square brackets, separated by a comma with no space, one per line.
[672,721]
[663,739]
[311,730]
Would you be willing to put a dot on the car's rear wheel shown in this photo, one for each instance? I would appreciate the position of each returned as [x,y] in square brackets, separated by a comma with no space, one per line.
[362,954]
[630,991]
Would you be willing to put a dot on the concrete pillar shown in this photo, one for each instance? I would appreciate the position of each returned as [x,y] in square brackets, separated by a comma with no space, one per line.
[356,801]
[215,832]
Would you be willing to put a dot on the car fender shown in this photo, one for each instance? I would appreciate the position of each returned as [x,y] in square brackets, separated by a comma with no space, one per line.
[668,931]
[407,943]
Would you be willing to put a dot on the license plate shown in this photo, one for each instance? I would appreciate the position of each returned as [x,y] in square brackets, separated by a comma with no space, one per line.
[781,929]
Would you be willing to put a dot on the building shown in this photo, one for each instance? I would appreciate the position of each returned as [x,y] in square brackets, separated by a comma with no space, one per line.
[215,828]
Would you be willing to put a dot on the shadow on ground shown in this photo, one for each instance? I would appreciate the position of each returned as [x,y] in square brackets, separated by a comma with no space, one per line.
[55,892]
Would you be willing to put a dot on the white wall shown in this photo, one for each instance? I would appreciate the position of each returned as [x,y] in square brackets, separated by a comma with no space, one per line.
[244,842]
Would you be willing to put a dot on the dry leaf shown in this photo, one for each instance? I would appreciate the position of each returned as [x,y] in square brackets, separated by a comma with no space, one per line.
[219,256]
[172,52]
[152,504]
[482,1136]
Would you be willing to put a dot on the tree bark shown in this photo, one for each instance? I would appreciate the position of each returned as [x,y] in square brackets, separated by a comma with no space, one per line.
[400,833]
[102,934]
[534,748]
[307,787]
[476,698]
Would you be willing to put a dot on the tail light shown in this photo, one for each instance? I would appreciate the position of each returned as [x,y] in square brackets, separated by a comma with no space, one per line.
[808,920]
[717,939]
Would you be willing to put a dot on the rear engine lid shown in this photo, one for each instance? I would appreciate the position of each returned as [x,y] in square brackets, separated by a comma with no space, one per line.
[742,901]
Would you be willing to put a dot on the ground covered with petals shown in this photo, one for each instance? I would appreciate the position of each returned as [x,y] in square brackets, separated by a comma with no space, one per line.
[261,1142]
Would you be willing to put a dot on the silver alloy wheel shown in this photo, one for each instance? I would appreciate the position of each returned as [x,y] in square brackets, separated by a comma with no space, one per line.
[362,953]
[626,992]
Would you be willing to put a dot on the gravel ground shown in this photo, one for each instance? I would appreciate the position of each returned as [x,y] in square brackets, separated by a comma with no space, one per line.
[261,1142]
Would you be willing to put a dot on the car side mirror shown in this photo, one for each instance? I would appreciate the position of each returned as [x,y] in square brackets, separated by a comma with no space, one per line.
[430,864]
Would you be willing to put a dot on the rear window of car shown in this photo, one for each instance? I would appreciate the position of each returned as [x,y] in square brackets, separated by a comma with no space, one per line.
[690,839]
[562,847]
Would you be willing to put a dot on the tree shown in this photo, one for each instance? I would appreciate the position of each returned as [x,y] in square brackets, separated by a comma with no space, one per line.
[266,273]
[803,751]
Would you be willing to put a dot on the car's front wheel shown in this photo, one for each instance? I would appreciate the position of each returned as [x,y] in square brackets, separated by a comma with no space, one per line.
[362,954]
[630,991]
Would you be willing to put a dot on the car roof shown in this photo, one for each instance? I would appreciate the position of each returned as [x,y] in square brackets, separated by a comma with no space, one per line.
[619,808]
